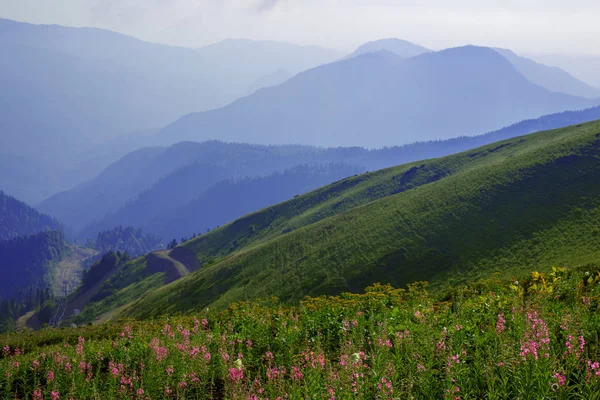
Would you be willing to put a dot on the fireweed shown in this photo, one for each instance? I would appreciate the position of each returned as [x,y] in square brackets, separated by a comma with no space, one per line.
[491,339]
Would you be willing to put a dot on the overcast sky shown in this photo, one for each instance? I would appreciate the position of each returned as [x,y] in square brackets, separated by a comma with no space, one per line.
[544,26]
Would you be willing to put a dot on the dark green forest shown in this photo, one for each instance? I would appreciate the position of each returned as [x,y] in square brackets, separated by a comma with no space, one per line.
[126,239]
[29,261]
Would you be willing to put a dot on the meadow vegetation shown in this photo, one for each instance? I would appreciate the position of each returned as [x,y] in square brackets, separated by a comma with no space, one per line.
[535,337]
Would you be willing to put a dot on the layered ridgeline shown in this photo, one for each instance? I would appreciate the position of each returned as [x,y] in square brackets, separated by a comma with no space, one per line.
[552,78]
[504,207]
[156,211]
[68,90]
[381,99]
[152,182]
[153,187]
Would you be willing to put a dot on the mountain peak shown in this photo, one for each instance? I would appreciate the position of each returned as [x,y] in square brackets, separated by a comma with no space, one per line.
[397,46]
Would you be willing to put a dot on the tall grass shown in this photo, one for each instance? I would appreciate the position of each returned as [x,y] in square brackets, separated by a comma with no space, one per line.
[535,338]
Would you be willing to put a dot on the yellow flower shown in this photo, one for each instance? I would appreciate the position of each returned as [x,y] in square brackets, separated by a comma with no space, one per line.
[238,364]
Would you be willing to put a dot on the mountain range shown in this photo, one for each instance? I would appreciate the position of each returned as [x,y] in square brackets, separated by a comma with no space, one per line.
[68,91]
[78,99]
[552,78]
[155,188]
[505,207]
[380,99]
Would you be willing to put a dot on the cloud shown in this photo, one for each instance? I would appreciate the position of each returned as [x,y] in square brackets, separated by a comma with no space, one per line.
[267,5]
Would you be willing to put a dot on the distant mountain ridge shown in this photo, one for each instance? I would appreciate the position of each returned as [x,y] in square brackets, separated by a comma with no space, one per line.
[148,185]
[67,90]
[225,201]
[400,47]
[552,78]
[379,99]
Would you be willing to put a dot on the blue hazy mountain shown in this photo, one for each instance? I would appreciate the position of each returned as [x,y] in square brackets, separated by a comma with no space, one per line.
[67,91]
[380,99]
[583,67]
[552,78]
[270,80]
[150,184]
[400,47]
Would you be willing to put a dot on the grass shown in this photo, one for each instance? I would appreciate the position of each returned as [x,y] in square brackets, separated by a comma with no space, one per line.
[533,336]
[508,207]
[125,284]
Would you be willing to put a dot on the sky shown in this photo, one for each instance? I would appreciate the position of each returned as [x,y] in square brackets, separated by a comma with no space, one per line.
[526,26]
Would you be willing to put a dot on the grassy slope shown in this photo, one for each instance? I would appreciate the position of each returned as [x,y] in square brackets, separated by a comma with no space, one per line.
[503,207]
[128,283]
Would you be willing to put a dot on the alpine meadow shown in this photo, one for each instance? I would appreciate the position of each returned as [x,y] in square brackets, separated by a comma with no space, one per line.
[267,200]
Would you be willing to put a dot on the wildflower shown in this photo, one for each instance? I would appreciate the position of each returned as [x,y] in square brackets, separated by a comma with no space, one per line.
[500,323]
[453,360]
[35,364]
[37,395]
[50,376]
[296,373]
[79,347]
[170,370]
[54,395]
[236,374]
[560,381]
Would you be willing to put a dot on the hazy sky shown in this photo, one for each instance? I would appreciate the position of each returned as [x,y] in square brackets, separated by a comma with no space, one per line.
[549,26]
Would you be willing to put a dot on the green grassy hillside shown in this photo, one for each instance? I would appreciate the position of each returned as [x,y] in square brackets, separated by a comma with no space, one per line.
[115,281]
[528,201]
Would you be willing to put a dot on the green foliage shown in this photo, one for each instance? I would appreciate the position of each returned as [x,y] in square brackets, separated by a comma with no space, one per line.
[493,338]
[23,302]
[506,207]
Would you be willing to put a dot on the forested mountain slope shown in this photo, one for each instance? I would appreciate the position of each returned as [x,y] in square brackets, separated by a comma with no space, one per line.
[19,219]
[30,261]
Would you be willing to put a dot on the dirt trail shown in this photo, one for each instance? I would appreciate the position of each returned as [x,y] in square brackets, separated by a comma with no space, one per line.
[160,261]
